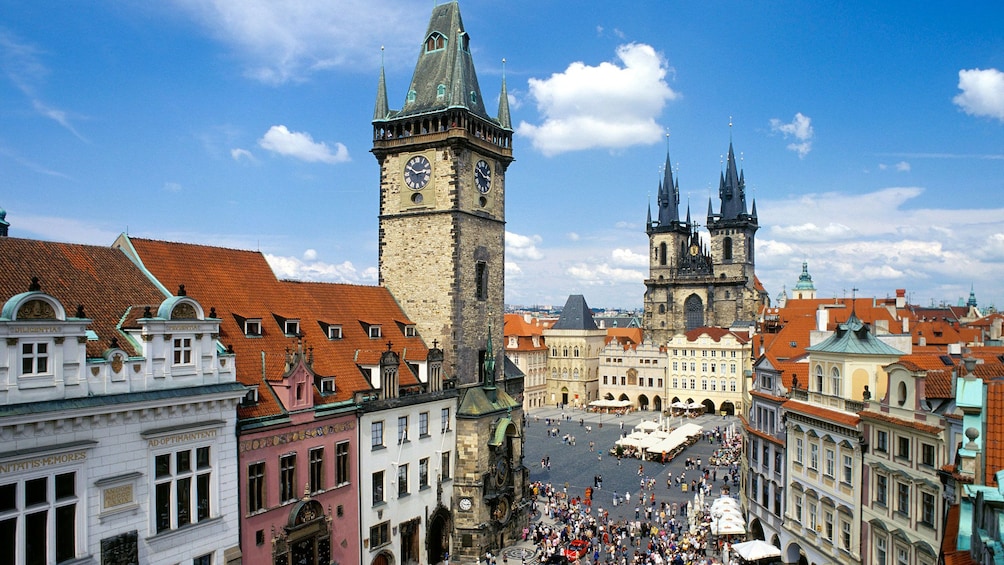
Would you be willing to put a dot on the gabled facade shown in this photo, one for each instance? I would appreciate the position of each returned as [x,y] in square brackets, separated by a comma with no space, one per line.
[902,499]
[635,372]
[573,365]
[825,443]
[525,347]
[325,361]
[117,414]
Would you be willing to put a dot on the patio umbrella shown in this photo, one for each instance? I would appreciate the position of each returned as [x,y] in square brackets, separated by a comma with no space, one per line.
[755,550]
[727,527]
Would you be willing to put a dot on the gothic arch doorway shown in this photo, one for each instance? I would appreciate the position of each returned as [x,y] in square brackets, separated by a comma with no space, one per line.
[383,558]
[693,308]
[656,404]
[564,396]
[437,539]
[642,402]
[756,529]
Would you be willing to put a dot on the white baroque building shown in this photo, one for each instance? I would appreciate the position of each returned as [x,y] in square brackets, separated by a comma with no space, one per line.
[117,415]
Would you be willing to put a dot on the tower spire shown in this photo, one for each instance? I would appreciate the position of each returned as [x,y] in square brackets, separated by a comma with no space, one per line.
[382,109]
[504,119]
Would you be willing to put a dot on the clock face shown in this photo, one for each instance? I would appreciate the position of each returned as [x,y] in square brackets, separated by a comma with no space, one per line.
[501,470]
[483,176]
[694,250]
[417,172]
[465,504]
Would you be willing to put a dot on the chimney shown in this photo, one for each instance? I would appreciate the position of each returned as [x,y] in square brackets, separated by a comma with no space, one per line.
[906,325]
[3,223]
[900,297]
[822,319]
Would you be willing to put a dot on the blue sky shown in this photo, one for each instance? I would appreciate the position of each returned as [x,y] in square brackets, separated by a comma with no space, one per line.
[871,133]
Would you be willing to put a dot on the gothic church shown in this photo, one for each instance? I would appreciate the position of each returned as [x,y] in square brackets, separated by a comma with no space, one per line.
[692,283]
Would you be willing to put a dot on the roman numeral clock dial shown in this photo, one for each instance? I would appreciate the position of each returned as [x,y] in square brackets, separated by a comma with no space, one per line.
[417,172]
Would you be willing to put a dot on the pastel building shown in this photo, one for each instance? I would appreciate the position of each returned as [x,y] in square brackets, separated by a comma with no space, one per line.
[117,414]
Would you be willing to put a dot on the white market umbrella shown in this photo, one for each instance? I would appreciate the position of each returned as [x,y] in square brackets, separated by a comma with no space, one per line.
[755,550]
[730,527]
[647,426]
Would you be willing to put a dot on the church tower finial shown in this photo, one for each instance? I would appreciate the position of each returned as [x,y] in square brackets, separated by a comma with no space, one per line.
[504,118]
[382,108]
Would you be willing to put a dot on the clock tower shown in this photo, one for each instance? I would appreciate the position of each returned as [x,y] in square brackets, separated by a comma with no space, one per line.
[443,164]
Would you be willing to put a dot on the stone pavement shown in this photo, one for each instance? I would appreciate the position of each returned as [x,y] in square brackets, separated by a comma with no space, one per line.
[576,466]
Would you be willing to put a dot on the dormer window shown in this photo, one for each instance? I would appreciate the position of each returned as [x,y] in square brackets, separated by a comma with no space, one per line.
[434,42]
[441,91]
[411,95]
[34,358]
[251,397]
[291,327]
[328,385]
[334,332]
[252,327]
[410,331]
[374,331]
[183,351]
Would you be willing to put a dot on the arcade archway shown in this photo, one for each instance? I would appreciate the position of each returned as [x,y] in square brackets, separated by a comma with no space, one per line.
[728,408]
[709,406]
[437,539]
[642,402]
[656,404]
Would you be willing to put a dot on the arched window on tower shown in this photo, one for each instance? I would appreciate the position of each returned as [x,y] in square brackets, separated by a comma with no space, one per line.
[727,249]
[662,253]
[694,308]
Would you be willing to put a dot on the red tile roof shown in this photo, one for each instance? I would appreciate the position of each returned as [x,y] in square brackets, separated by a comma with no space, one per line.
[994,441]
[821,413]
[101,279]
[914,424]
[240,285]
[949,543]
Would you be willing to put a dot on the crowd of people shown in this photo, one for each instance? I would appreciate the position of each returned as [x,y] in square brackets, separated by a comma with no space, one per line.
[660,532]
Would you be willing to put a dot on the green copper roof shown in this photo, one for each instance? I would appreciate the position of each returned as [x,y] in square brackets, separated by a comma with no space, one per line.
[444,61]
[480,400]
[852,337]
[805,280]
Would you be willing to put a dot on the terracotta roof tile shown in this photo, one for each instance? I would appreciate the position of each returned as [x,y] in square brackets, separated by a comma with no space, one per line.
[821,413]
[949,543]
[914,424]
[241,285]
[101,279]
[994,440]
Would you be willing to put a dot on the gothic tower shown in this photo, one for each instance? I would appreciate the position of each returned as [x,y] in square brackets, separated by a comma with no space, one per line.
[732,231]
[443,161]
[692,284]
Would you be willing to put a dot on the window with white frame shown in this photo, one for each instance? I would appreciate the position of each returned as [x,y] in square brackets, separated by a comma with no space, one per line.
[423,424]
[182,487]
[34,358]
[291,327]
[252,327]
[835,381]
[819,378]
[377,485]
[40,518]
[402,480]
[182,351]
[423,473]
[334,332]
[374,332]
[798,508]
[402,429]
[798,451]
[845,535]
[445,464]
[830,463]
[880,551]
[828,525]
[882,441]
[445,419]
[902,555]
[812,516]
[814,457]
[927,509]
[903,498]
[848,468]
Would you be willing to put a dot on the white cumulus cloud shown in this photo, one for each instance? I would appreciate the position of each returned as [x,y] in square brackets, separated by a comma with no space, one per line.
[610,105]
[310,270]
[523,246]
[603,274]
[800,128]
[300,145]
[982,93]
[623,256]
[237,154]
